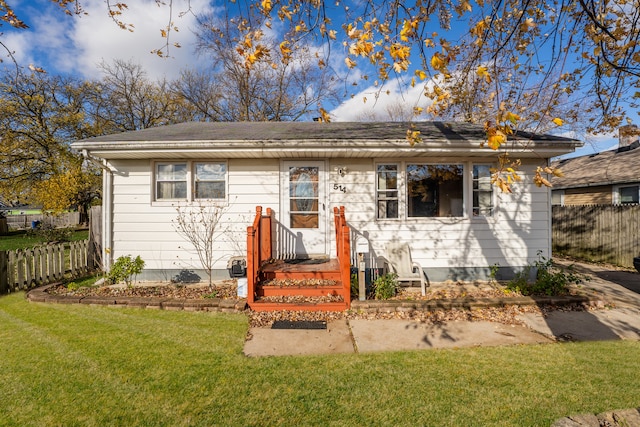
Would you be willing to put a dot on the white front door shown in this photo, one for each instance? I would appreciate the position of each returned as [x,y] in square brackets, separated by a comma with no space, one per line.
[304,214]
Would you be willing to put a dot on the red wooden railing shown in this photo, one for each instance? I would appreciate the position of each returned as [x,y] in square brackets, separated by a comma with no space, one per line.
[258,248]
[343,251]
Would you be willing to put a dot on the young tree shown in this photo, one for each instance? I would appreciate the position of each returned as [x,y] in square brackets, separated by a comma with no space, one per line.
[201,226]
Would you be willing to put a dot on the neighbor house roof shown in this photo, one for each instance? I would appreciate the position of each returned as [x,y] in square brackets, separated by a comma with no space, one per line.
[313,140]
[605,168]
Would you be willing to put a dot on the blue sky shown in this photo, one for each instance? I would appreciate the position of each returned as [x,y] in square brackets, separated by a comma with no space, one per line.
[76,45]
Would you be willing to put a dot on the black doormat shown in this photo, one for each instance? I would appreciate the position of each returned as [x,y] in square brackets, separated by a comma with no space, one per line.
[299,324]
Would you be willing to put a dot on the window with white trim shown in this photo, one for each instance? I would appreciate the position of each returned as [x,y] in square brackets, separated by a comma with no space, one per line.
[171,181]
[435,190]
[629,194]
[482,191]
[189,181]
[210,181]
[387,191]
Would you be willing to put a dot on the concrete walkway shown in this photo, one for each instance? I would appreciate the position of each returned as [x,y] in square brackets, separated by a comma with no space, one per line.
[619,289]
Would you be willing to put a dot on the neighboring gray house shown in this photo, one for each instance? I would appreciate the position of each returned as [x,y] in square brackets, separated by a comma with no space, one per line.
[606,178]
[436,196]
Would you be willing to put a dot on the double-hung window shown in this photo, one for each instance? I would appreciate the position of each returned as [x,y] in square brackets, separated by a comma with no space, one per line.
[210,181]
[482,191]
[189,181]
[171,181]
[387,191]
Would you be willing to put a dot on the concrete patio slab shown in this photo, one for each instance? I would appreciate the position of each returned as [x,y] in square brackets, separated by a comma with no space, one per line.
[600,325]
[296,342]
[395,335]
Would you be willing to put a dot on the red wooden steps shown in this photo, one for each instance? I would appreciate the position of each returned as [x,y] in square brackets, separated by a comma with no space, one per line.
[315,271]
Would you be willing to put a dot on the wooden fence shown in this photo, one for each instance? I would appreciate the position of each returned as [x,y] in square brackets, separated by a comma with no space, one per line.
[26,268]
[601,233]
[69,219]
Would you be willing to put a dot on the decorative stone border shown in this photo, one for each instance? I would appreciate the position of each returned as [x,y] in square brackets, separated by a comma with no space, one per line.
[155,303]
[369,306]
[372,306]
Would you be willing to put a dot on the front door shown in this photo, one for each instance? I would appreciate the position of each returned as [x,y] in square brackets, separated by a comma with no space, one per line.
[304,203]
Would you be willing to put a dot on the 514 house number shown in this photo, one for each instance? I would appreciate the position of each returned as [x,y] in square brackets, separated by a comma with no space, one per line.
[339,187]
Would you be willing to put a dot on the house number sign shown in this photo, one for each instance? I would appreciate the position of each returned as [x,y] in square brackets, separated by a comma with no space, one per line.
[339,187]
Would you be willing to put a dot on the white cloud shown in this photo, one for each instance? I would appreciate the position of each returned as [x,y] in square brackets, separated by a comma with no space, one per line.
[392,101]
[77,44]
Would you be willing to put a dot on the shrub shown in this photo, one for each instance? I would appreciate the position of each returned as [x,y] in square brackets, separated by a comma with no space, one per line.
[124,268]
[550,279]
[51,234]
[385,286]
[355,286]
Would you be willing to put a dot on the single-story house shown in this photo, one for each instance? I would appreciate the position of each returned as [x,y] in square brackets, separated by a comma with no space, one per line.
[608,178]
[436,195]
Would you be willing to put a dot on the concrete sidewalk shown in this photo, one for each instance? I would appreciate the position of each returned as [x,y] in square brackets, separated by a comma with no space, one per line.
[618,288]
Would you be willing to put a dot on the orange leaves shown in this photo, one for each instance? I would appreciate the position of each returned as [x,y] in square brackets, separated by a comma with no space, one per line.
[413,136]
[483,72]
[439,62]
[266,6]
[539,180]
[506,173]
[400,54]
[495,137]
[324,115]
[463,7]
[408,29]
[285,50]
[253,54]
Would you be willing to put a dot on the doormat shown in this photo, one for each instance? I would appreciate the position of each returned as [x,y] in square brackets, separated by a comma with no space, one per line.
[299,324]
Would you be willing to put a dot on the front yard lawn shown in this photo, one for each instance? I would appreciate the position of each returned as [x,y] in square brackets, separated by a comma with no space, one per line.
[21,239]
[94,366]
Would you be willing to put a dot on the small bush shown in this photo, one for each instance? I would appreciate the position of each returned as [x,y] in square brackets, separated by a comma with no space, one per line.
[355,286]
[385,286]
[550,279]
[124,269]
[50,234]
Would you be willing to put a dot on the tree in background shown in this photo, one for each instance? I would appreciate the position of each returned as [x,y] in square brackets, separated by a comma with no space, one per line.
[126,99]
[39,116]
[282,86]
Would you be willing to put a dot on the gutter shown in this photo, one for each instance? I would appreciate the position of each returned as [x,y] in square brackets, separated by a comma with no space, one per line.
[107,185]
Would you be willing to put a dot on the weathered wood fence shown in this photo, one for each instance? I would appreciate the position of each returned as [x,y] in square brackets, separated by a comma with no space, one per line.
[601,233]
[26,268]
[69,219]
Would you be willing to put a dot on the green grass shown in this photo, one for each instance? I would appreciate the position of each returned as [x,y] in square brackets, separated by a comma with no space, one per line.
[21,239]
[66,365]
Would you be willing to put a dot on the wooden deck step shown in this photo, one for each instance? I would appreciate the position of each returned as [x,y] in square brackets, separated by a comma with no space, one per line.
[259,305]
[300,285]
[302,269]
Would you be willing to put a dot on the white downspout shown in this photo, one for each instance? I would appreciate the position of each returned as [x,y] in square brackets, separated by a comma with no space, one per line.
[107,211]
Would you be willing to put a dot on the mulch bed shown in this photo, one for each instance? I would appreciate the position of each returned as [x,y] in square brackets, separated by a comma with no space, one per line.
[226,290]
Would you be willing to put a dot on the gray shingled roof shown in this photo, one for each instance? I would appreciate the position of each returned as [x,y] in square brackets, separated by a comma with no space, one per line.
[296,139]
[605,168]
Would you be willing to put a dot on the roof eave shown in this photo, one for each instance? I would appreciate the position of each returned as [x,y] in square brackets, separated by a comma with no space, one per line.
[328,149]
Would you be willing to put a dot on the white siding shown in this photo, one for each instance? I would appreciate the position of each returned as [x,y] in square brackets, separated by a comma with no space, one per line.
[512,237]
[146,229]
